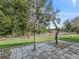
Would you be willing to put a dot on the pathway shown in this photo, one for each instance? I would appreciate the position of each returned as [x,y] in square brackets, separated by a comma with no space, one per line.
[45,51]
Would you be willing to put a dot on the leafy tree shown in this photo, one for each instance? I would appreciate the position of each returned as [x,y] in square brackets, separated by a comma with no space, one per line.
[37,17]
[52,15]
[14,15]
[73,25]
[49,10]
[67,25]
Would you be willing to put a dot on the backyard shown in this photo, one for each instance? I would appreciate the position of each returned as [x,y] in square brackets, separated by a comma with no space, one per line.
[18,48]
[39,29]
[12,42]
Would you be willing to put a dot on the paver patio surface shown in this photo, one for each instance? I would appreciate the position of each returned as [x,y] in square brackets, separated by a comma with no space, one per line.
[45,51]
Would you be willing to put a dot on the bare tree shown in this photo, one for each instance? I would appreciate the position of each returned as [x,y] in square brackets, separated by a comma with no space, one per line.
[37,16]
[57,27]
[53,17]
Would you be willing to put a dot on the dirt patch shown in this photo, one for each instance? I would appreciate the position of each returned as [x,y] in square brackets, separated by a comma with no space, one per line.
[61,44]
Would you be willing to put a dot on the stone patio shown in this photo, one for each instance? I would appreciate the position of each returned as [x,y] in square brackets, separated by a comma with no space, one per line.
[45,51]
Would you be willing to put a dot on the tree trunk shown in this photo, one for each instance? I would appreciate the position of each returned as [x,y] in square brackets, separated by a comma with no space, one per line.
[34,38]
[56,36]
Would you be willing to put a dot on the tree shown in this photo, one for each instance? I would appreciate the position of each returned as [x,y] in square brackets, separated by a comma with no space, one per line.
[56,23]
[53,17]
[20,16]
[73,25]
[14,14]
[36,16]
[49,10]
[67,25]
[17,14]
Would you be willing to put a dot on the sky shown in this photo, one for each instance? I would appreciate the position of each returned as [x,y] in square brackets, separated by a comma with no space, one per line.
[68,8]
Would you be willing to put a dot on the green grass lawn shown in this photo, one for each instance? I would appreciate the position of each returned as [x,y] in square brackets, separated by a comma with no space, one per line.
[22,41]
[71,38]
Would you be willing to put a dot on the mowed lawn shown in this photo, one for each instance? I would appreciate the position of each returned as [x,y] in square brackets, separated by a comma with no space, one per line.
[27,41]
[22,41]
[71,38]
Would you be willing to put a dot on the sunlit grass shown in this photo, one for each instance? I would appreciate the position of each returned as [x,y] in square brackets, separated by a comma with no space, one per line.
[22,41]
[71,38]
[12,42]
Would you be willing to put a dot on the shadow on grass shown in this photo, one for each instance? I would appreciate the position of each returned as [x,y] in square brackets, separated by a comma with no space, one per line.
[71,39]
[15,44]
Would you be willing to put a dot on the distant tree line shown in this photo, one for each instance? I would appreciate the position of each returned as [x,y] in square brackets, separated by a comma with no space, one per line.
[19,17]
[15,17]
[72,25]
